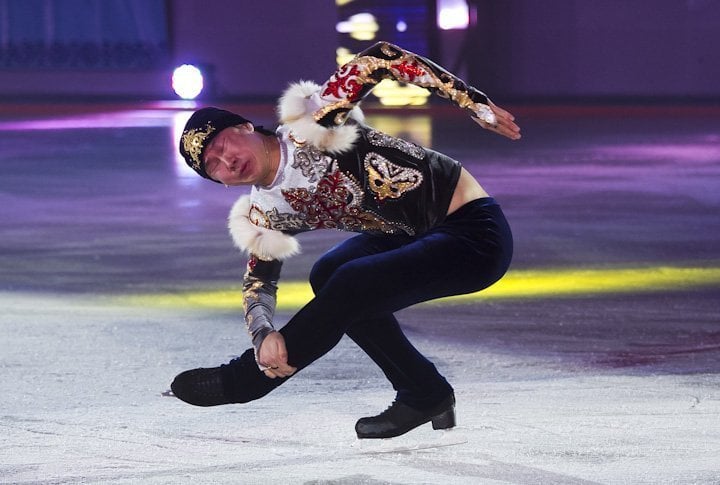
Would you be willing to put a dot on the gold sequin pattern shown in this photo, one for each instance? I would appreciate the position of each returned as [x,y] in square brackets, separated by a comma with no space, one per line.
[388,180]
[380,139]
[344,104]
[335,202]
[193,143]
[388,50]
[258,217]
[368,65]
[250,291]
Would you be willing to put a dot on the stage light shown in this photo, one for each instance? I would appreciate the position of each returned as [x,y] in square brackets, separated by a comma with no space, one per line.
[452,14]
[401,26]
[187,81]
[535,285]
[361,26]
[393,93]
[343,55]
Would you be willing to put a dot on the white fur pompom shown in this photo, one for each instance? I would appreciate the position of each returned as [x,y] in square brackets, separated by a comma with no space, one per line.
[296,108]
[264,243]
[294,103]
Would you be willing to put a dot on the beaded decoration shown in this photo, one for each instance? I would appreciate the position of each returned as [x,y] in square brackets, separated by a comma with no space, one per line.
[193,143]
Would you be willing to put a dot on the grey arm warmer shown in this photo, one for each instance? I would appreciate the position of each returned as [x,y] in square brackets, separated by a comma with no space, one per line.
[260,298]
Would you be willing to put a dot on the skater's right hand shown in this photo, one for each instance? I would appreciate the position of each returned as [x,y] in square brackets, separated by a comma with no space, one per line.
[273,355]
[505,125]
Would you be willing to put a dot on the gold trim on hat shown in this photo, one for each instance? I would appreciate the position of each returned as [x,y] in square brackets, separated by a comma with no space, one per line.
[193,141]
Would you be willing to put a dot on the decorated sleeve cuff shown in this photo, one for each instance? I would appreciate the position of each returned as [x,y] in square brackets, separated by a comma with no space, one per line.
[483,113]
[259,335]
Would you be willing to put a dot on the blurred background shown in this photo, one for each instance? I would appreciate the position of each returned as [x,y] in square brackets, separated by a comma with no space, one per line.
[596,86]
[518,50]
[595,360]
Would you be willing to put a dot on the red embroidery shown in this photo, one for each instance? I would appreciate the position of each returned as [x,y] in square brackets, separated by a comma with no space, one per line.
[347,83]
[333,206]
[252,262]
[409,70]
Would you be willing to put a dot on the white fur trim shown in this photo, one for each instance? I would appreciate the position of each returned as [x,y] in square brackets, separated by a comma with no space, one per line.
[296,108]
[330,140]
[264,243]
[293,104]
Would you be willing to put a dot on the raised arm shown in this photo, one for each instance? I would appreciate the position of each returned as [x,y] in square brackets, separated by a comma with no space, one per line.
[354,80]
[318,113]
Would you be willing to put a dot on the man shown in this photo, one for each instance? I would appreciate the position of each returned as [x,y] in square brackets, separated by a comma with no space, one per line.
[427,230]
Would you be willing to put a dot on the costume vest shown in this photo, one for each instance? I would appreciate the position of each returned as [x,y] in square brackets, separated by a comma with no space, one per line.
[382,185]
[338,173]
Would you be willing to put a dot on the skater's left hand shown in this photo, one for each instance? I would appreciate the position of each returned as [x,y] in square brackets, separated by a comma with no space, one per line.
[273,355]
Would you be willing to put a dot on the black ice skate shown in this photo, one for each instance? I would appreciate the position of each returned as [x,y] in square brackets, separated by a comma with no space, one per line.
[400,418]
[238,381]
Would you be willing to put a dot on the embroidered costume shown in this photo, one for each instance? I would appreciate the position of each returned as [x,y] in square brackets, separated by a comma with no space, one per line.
[337,173]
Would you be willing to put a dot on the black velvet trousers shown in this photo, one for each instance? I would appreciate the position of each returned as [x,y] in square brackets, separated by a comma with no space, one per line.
[360,283]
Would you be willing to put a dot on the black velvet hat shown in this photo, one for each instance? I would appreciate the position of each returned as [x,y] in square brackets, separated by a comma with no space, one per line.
[204,125]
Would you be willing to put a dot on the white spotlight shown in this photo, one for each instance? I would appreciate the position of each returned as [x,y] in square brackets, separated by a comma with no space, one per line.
[452,14]
[187,81]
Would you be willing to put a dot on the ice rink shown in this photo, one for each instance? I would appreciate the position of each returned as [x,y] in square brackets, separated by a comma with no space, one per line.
[596,360]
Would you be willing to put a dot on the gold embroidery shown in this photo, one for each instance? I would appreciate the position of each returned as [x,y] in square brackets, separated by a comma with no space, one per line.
[340,117]
[380,139]
[335,203]
[417,73]
[250,296]
[193,141]
[388,51]
[298,142]
[347,102]
[258,218]
[388,180]
[320,114]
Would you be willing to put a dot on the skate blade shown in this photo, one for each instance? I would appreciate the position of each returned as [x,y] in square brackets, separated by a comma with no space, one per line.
[411,442]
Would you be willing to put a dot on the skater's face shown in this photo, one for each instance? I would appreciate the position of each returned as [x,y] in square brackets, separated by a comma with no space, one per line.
[239,156]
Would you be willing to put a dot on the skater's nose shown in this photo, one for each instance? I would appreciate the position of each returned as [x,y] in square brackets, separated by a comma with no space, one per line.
[228,162]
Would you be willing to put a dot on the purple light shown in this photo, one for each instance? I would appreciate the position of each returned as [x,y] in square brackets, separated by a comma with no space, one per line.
[187,81]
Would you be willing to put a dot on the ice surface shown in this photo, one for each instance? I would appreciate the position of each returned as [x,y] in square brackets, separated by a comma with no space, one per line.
[81,403]
[598,388]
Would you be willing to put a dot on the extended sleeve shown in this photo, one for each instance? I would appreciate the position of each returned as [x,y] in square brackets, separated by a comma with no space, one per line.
[260,297]
[354,80]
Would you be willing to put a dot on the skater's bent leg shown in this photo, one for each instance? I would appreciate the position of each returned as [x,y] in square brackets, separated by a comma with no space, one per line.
[415,378]
[241,380]
[437,264]
[448,260]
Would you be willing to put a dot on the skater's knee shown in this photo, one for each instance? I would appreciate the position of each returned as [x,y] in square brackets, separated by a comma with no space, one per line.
[321,272]
[348,280]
